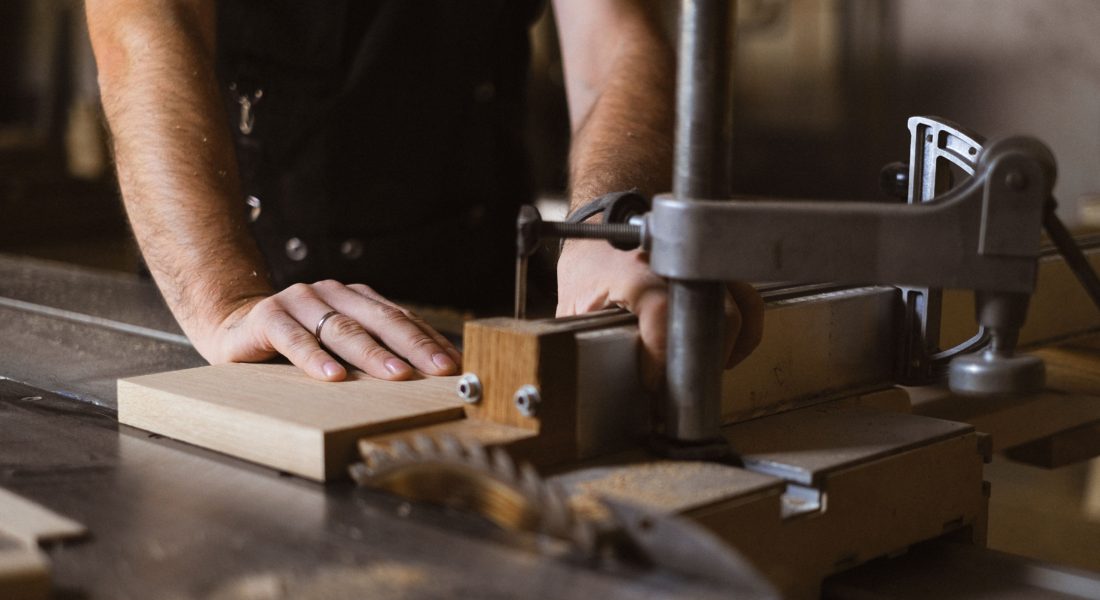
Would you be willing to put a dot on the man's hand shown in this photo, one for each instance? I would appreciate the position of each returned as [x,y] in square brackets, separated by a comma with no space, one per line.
[618,77]
[178,176]
[593,275]
[368,331]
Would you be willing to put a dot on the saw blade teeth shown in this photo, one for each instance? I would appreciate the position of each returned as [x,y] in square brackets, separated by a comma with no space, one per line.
[400,450]
[503,464]
[584,537]
[450,447]
[464,457]
[556,509]
[424,446]
[374,459]
[477,456]
[529,480]
[359,472]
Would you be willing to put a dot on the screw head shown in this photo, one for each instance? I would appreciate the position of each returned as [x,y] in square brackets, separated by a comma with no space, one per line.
[351,248]
[527,400]
[296,249]
[469,388]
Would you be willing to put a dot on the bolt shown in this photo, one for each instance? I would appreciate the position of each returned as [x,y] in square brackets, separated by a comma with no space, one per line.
[296,249]
[1016,180]
[527,400]
[351,249]
[469,388]
[621,235]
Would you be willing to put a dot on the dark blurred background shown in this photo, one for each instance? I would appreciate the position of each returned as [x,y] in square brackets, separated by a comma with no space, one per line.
[824,88]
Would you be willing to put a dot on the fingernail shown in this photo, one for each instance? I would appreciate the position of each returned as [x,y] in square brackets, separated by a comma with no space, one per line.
[331,369]
[455,356]
[396,366]
[443,361]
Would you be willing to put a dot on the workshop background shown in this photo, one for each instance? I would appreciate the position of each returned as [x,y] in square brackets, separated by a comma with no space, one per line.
[824,88]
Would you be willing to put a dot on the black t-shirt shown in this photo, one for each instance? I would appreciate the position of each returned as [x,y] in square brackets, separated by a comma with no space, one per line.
[383,139]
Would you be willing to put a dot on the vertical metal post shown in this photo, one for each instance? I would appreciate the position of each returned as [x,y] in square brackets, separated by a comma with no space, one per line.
[704,123]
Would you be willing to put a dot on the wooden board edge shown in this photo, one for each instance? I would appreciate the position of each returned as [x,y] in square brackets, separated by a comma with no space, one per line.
[342,445]
[194,424]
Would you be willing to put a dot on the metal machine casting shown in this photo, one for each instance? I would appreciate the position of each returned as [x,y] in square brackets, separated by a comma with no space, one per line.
[983,234]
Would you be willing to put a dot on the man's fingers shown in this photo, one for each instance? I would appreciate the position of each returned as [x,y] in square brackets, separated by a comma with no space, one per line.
[439,338]
[751,308]
[732,327]
[344,336]
[651,306]
[390,324]
[287,336]
[340,333]
[363,328]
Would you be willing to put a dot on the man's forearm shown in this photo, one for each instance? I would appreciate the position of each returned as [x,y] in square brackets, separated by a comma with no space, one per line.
[175,157]
[622,134]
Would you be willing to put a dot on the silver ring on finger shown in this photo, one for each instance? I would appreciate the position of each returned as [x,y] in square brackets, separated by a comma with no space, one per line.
[321,323]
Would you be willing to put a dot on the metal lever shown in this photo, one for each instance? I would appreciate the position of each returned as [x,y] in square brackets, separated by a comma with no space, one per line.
[933,141]
[997,369]
[1063,240]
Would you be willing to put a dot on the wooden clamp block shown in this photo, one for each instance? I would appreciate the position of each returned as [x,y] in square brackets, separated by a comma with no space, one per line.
[584,371]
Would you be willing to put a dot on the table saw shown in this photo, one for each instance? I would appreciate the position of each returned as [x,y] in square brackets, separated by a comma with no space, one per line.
[547,469]
[179,521]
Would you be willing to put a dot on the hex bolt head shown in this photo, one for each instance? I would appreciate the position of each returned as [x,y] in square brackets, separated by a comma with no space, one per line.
[527,400]
[469,388]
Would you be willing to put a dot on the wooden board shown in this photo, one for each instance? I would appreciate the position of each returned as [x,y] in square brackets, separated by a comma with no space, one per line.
[1061,449]
[668,487]
[33,524]
[1071,399]
[806,445]
[885,481]
[275,415]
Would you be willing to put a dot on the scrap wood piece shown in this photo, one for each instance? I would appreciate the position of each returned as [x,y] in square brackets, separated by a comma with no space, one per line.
[34,524]
[24,569]
[24,573]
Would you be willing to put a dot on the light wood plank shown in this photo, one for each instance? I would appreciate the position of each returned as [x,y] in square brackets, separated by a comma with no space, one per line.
[275,415]
[667,486]
[1071,399]
[805,445]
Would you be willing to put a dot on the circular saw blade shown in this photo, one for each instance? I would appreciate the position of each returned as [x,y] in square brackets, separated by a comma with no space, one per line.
[466,476]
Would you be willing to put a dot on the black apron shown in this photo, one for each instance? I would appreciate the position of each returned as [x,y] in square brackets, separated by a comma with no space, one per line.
[382,140]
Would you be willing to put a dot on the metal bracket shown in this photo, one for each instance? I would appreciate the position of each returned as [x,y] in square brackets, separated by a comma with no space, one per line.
[931,141]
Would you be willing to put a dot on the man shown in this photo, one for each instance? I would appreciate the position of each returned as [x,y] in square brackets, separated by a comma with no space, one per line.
[378,140]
